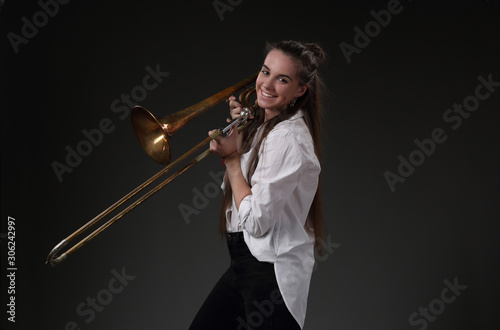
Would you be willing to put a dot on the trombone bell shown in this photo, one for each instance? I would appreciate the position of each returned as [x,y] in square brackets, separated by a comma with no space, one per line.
[152,134]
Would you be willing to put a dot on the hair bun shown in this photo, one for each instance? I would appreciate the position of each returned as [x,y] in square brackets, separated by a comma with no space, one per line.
[317,51]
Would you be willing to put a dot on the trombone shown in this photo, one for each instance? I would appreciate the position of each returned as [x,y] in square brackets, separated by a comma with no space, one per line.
[154,135]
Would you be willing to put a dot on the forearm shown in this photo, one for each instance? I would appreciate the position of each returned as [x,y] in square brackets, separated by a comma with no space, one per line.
[239,186]
[239,142]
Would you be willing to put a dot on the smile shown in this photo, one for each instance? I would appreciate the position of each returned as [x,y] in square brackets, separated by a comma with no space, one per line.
[266,94]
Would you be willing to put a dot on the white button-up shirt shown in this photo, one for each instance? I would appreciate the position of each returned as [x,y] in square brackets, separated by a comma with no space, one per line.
[272,218]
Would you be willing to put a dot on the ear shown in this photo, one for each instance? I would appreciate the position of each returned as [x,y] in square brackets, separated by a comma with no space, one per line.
[301,90]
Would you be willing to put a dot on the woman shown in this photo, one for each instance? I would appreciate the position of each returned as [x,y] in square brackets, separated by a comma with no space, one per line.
[271,215]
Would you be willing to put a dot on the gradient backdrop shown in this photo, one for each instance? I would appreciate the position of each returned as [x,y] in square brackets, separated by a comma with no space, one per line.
[423,255]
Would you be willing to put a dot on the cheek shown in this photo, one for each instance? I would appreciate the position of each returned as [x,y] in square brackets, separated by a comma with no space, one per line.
[284,92]
[259,80]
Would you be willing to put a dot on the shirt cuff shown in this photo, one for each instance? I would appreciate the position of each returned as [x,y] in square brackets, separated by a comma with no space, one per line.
[244,210]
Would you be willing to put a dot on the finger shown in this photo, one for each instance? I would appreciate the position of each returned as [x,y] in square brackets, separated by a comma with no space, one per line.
[235,111]
[234,104]
[230,98]
[213,147]
[211,132]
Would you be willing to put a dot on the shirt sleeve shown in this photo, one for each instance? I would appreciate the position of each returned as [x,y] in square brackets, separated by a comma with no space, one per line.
[281,161]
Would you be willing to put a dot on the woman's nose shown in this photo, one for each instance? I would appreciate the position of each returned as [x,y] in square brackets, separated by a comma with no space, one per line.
[268,85]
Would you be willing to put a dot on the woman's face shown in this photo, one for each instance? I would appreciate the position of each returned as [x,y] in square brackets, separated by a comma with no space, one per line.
[278,83]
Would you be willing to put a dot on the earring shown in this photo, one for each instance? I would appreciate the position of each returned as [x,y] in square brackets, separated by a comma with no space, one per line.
[292,103]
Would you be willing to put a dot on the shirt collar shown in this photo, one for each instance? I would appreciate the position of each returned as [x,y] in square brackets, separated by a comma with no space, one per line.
[298,114]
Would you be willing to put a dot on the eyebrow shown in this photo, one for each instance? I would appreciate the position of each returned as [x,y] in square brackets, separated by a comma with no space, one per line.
[281,75]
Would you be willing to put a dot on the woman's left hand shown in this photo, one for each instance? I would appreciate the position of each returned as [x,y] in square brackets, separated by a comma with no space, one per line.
[225,147]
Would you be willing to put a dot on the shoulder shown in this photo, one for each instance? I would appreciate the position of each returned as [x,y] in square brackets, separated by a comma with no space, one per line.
[291,131]
[291,140]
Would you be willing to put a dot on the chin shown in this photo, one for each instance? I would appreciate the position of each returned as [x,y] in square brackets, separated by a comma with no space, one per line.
[268,104]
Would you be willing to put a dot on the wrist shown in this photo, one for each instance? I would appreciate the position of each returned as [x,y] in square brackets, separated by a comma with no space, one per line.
[232,160]
[232,154]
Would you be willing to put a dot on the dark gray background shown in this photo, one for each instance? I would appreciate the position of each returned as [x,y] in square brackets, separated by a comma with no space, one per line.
[391,251]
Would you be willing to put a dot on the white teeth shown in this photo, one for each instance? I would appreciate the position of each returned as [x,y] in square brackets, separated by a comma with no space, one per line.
[267,95]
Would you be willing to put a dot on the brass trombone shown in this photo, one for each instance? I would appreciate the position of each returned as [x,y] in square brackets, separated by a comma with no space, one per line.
[154,135]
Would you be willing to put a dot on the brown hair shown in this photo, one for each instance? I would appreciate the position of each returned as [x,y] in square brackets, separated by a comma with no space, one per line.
[308,57]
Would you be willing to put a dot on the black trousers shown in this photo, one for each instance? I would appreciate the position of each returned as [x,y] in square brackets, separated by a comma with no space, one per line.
[246,297]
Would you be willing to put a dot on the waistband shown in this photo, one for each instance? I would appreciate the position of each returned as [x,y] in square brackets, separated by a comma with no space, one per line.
[236,237]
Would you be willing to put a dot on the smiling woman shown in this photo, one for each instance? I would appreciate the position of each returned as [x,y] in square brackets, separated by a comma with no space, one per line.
[276,88]
[271,215]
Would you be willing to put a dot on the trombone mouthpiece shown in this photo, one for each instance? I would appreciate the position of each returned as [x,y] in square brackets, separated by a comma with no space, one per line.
[246,113]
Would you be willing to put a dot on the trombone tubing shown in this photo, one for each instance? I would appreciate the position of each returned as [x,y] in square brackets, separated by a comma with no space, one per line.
[187,113]
[51,257]
[54,261]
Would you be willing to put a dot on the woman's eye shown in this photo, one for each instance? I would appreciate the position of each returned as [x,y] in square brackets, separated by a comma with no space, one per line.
[265,72]
[283,80]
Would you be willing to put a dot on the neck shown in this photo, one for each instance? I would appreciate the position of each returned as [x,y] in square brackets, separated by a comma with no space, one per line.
[270,114]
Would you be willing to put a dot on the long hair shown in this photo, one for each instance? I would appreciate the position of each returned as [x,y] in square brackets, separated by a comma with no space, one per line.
[308,57]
